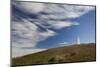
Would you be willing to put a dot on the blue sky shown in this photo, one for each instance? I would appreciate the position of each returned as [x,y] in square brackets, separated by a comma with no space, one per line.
[86,32]
[39,26]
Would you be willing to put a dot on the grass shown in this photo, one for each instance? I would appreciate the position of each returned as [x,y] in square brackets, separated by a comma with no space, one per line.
[66,54]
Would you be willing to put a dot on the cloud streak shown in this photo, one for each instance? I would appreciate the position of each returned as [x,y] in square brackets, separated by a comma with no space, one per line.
[17,52]
[62,24]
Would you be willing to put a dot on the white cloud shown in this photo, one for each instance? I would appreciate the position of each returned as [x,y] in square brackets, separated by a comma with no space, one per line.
[62,24]
[24,33]
[29,7]
[18,52]
[44,35]
[73,11]
[58,11]
[55,11]
[63,44]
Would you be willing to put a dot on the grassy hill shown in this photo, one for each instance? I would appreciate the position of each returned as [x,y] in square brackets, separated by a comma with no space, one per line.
[66,54]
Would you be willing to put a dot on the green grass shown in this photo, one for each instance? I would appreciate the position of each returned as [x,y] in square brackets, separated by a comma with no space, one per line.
[66,54]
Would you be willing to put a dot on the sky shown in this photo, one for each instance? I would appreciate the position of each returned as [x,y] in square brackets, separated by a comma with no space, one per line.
[38,26]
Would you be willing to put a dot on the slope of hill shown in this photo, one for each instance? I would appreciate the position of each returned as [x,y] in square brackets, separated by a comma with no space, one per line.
[66,54]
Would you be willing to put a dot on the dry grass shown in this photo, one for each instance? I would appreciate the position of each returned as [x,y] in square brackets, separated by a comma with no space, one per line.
[75,53]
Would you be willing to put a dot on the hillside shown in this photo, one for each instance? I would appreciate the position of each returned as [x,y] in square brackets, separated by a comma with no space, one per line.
[66,54]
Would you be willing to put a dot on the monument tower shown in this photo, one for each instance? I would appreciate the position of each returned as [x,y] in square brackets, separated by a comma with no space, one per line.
[77,40]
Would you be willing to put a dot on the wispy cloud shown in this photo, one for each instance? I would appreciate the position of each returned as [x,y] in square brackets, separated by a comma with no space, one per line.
[54,11]
[63,44]
[35,22]
[17,52]
[62,24]
[24,33]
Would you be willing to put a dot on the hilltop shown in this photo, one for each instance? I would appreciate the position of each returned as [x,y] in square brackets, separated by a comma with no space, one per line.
[66,54]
